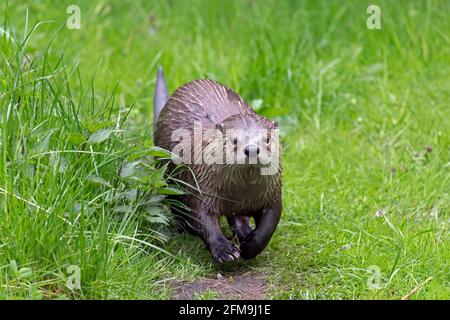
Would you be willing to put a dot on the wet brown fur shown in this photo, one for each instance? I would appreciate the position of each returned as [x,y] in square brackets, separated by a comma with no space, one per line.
[238,192]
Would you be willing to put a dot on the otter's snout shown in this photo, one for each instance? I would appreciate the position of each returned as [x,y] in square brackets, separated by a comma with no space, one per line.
[251,150]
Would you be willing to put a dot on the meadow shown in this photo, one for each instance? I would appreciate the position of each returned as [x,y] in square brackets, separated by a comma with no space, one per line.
[365,122]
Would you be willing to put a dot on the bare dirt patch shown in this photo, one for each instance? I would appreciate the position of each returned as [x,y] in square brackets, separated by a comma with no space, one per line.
[241,286]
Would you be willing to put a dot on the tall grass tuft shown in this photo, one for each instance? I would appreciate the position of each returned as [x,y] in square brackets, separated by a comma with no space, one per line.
[80,192]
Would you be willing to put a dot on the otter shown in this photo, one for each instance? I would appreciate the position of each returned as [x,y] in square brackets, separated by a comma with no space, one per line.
[205,115]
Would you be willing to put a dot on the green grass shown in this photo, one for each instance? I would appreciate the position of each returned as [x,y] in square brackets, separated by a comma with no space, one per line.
[365,117]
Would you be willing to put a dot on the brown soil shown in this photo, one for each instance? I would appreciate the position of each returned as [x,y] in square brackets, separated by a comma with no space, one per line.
[241,286]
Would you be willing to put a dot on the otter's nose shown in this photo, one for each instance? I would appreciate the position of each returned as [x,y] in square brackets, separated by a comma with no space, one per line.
[251,150]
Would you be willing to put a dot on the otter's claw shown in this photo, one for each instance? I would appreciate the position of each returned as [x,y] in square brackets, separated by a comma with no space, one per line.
[224,251]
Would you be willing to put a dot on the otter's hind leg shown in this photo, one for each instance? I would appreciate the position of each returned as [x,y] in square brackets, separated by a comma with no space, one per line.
[220,247]
[240,226]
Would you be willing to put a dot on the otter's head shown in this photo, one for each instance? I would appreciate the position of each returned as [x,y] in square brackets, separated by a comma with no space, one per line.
[248,139]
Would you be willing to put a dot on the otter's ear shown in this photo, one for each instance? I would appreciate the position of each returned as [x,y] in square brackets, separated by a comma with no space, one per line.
[220,127]
[275,124]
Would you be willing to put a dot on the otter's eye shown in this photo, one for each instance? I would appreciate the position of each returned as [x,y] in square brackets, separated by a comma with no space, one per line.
[235,141]
[267,140]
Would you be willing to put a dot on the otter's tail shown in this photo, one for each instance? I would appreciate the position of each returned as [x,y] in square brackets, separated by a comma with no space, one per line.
[161,95]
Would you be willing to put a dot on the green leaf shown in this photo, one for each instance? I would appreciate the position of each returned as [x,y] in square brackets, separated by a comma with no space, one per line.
[100,136]
[130,194]
[43,141]
[77,138]
[171,190]
[113,197]
[159,152]
[13,266]
[25,273]
[156,215]
[128,169]
[122,208]
[135,153]
[155,198]
[99,180]
[94,126]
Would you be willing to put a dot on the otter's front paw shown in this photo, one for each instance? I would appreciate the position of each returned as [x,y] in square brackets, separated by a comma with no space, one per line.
[223,251]
[250,247]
